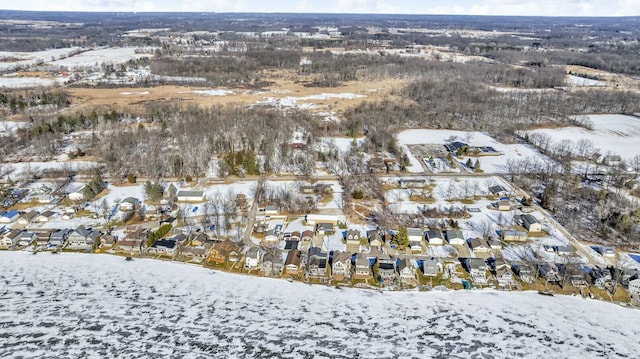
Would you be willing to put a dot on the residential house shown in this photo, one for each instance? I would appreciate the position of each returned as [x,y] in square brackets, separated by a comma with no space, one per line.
[291,244]
[387,269]
[455,237]
[270,236]
[406,271]
[353,240]
[607,251]
[434,237]
[59,238]
[313,219]
[166,246]
[43,237]
[478,270]
[375,240]
[190,196]
[129,204]
[108,240]
[224,251]
[130,245]
[503,205]
[634,287]
[199,253]
[530,223]
[414,234]
[612,160]
[272,263]
[307,235]
[341,265]
[525,272]
[509,235]
[431,267]
[499,191]
[10,238]
[26,238]
[307,189]
[200,239]
[317,262]
[45,216]
[564,250]
[480,246]
[9,216]
[293,261]
[363,267]
[325,228]
[253,258]
[495,245]
[323,189]
[416,246]
[295,235]
[601,277]
[549,272]
[82,238]
[76,194]
[271,210]
[505,277]
[26,218]
[376,165]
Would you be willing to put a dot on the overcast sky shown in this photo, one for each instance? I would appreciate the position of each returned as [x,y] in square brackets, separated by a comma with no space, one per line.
[472,7]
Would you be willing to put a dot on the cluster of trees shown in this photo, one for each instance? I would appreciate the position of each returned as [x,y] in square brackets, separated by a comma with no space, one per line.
[93,188]
[239,163]
[14,102]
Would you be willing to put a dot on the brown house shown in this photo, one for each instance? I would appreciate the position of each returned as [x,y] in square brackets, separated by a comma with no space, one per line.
[292,264]
[224,251]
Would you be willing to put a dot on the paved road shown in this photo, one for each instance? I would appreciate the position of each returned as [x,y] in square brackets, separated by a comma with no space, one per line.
[251,220]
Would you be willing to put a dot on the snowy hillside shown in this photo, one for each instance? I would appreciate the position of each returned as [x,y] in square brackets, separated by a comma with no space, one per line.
[73,305]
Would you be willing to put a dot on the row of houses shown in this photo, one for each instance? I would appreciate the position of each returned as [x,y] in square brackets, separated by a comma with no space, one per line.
[80,238]
[26,218]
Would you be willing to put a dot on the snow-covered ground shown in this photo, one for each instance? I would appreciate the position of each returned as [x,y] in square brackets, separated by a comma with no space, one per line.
[26,82]
[295,102]
[489,164]
[617,134]
[94,58]
[78,305]
[7,127]
[31,58]
[583,81]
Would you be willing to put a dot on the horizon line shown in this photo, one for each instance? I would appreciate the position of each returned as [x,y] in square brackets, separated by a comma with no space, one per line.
[317,13]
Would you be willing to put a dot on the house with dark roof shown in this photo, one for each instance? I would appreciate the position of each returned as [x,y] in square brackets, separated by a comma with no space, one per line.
[407,271]
[317,262]
[530,223]
[387,269]
[253,258]
[499,191]
[293,262]
[455,237]
[434,237]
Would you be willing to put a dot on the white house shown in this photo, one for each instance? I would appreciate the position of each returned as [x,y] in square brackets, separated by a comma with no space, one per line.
[455,237]
[76,194]
[26,238]
[341,264]
[434,237]
[313,219]
[9,216]
[9,238]
[530,223]
[407,271]
[190,196]
[26,218]
[634,287]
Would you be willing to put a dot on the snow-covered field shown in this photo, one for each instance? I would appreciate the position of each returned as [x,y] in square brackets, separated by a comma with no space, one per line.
[32,58]
[25,82]
[94,58]
[617,134]
[583,81]
[489,164]
[78,305]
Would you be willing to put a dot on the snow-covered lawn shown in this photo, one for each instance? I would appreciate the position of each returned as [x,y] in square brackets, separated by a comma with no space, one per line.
[489,164]
[616,134]
[12,170]
[106,307]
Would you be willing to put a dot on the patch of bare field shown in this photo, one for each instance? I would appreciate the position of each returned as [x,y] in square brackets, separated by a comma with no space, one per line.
[280,88]
[620,81]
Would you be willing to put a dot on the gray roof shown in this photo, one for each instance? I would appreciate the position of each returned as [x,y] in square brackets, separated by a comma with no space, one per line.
[184,193]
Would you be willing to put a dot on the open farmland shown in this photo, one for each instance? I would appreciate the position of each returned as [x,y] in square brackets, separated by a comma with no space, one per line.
[610,134]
